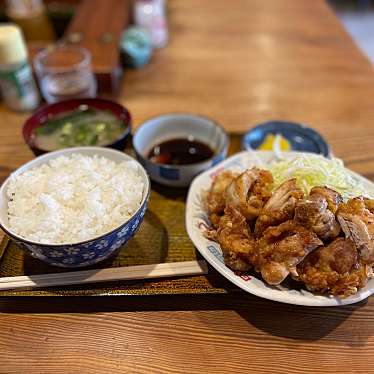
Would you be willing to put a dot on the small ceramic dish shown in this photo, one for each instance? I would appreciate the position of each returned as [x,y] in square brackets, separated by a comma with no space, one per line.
[51,110]
[173,126]
[300,137]
[197,221]
[90,251]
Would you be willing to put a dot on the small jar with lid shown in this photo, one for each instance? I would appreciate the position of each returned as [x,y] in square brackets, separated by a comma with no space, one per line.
[17,83]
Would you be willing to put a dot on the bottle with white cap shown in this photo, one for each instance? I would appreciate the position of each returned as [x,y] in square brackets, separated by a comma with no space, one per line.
[151,15]
[16,80]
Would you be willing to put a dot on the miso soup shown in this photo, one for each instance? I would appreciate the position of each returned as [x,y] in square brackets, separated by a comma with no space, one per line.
[85,126]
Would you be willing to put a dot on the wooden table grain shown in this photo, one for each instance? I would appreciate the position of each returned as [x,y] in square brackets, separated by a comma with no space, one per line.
[240,62]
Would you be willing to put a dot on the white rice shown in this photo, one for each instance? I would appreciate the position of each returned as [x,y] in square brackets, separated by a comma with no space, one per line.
[72,199]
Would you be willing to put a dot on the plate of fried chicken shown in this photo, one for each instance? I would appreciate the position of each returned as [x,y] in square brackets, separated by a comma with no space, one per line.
[281,242]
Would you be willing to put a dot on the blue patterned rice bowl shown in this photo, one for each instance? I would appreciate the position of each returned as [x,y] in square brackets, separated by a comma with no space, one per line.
[88,252]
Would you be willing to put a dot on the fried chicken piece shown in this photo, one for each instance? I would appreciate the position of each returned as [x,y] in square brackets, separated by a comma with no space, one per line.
[249,192]
[357,223]
[334,269]
[317,212]
[215,200]
[369,204]
[238,246]
[282,248]
[280,207]
[332,197]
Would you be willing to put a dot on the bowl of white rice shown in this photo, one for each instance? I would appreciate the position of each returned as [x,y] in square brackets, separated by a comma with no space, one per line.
[74,207]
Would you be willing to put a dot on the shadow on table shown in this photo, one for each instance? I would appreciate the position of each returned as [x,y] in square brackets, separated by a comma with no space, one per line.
[4,172]
[276,319]
[303,323]
[176,193]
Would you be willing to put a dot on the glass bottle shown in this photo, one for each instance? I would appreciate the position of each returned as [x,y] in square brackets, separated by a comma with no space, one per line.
[31,16]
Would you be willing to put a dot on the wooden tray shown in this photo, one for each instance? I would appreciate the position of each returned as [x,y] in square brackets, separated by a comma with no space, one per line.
[161,238]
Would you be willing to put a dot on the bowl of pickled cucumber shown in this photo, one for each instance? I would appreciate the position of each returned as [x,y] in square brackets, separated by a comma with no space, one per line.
[77,123]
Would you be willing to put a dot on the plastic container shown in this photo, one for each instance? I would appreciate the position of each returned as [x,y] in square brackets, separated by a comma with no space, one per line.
[151,15]
[16,80]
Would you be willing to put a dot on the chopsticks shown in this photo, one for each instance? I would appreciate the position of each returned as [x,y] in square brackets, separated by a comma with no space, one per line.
[170,269]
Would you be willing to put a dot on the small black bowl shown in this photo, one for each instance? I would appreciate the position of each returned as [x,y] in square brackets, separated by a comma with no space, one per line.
[50,110]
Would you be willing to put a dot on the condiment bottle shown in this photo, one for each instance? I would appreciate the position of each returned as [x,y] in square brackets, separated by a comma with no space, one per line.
[151,15]
[135,47]
[32,17]
[16,80]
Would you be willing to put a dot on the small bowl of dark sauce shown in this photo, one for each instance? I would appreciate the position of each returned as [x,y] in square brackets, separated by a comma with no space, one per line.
[180,151]
[174,148]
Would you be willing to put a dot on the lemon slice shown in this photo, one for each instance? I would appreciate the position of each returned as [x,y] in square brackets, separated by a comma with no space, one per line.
[275,142]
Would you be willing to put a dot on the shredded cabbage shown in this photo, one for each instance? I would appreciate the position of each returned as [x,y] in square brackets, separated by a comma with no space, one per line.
[314,170]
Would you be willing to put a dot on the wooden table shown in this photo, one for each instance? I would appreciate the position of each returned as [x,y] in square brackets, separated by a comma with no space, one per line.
[240,62]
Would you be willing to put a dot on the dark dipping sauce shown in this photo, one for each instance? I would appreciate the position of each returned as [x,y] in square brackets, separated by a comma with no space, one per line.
[181,151]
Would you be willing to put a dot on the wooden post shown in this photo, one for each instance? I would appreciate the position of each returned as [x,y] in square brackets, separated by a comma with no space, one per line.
[97,26]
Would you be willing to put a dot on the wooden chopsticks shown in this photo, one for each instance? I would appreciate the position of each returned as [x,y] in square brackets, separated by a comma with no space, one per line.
[170,269]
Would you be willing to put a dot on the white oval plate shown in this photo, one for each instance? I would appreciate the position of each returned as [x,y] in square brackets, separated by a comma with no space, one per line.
[197,221]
